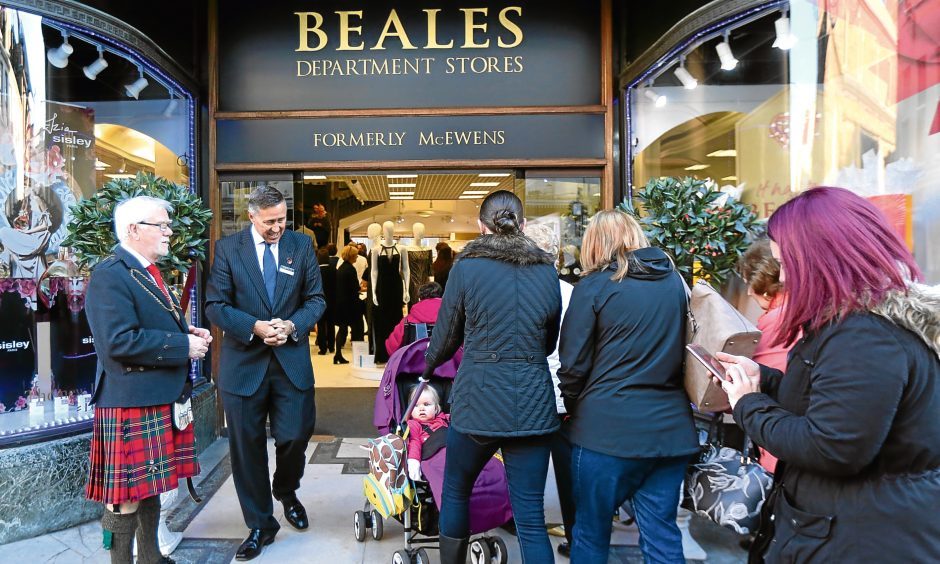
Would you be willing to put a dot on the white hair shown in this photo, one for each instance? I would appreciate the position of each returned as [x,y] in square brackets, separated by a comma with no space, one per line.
[135,210]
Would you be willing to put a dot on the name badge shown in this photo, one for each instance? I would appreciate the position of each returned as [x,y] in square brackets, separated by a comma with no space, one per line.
[286,270]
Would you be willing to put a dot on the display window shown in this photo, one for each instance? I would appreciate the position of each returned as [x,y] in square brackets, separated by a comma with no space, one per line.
[77,110]
[770,102]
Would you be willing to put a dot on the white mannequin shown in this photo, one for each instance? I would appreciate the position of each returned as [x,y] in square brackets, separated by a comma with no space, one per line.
[388,230]
[374,231]
[418,231]
[419,261]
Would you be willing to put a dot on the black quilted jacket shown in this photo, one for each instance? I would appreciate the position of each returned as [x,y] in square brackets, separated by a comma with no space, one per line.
[503,304]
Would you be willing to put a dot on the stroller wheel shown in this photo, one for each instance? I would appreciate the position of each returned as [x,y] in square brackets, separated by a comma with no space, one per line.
[499,553]
[377,525]
[421,557]
[480,552]
[359,525]
[401,557]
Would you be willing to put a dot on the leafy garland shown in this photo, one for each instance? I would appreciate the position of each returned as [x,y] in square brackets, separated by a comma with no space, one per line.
[705,230]
[91,231]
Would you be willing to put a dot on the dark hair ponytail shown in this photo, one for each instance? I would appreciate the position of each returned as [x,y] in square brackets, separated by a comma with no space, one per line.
[501,212]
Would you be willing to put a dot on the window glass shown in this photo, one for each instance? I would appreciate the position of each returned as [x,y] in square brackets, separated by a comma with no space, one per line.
[75,113]
[849,97]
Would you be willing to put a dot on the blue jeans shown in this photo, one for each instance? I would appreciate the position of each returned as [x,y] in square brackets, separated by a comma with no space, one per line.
[602,482]
[526,460]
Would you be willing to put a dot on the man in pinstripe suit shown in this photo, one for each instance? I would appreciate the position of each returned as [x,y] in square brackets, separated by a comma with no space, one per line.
[266,295]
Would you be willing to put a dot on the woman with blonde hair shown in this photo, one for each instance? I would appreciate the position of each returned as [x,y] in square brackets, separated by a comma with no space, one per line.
[621,378]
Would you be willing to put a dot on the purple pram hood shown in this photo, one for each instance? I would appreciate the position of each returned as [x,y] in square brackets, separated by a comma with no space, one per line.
[409,360]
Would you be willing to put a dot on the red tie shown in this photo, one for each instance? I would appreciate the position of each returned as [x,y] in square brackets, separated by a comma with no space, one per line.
[155,272]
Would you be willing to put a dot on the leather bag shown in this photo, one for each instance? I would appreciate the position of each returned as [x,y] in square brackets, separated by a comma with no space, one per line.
[716,325]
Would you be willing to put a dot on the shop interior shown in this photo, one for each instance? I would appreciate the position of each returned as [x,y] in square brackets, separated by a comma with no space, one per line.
[420,210]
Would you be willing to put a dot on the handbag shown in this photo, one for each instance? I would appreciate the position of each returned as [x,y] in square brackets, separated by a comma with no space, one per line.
[716,325]
[728,486]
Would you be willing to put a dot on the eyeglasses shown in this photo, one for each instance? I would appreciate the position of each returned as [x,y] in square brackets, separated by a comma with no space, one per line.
[164,227]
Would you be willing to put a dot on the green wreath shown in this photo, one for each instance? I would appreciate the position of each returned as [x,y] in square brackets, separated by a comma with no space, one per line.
[91,232]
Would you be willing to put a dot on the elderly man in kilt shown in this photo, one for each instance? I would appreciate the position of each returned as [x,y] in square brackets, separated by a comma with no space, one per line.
[144,347]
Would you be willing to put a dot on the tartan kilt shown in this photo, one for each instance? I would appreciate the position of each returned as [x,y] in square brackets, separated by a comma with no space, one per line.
[136,453]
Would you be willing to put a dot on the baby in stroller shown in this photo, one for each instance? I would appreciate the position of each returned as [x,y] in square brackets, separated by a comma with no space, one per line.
[427,429]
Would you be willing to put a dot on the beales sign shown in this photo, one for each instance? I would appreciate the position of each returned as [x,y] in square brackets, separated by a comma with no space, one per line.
[310,55]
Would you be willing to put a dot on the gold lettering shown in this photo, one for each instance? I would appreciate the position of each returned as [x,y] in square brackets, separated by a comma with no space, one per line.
[309,68]
[345,29]
[393,20]
[470,28]
[425,139]
[510,26]
[380,68]
[306,29]
[432,31]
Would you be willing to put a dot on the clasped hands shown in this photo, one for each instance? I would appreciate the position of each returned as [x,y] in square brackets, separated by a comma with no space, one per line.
[199,340]
[274,332]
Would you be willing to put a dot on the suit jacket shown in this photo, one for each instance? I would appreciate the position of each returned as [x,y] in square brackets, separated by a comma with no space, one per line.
[236,299]
[142,347]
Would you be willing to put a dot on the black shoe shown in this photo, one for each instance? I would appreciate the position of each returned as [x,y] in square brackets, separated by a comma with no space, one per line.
[338,359]
[294,512]
[321,352]
[331,349]
[564,549]
[256,541]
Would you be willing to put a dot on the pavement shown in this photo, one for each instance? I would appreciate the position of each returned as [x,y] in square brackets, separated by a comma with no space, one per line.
[331,490]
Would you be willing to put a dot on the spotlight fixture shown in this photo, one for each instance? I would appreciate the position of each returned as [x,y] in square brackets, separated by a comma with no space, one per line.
[658,99]
[728,62]
[171,106]
[133,89]
[785,40]
[59,56]
[99,64]
[688,81]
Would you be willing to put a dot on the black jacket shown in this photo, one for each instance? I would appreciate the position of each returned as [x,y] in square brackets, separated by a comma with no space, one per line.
[621,358]
[347,307]
[855,423]
[503,304]
[141,339]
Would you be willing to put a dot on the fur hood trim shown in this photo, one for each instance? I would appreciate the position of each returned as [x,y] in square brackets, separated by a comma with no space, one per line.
[918,311]
[514,249]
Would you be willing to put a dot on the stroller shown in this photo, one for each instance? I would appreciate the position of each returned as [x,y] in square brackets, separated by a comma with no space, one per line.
[391,494]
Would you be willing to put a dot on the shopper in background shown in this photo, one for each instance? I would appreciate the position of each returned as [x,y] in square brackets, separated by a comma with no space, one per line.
[621,378]
[326,335]
[442,264]
[856,421]
[503,305]
[347,311]
[761,271]
[547,240]
[425,311]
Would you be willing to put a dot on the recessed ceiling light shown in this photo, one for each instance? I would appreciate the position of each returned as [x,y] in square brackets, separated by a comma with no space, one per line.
[723,153]
[469,197]
[426,213]
[484,184]
[475,192]
[734,178]
[401,197]
[494,174]
[401,176]
[404,185]
[409,193]
[697,167]
[314,177]
[119,176]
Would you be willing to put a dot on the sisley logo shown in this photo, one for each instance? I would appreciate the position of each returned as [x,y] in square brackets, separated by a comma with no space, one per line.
[88,341]
[11,346]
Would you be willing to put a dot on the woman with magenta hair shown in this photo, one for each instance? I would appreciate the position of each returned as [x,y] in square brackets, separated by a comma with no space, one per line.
[856,420]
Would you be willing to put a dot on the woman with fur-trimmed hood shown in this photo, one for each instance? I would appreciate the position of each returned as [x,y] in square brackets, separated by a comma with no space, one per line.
[503,304]
[856,421]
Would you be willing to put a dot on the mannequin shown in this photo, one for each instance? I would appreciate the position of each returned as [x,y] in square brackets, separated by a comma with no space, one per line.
[419,263]
[389,279]
[374,233]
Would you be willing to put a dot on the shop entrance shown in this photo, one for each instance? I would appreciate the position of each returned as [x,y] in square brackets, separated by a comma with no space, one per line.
[417,215]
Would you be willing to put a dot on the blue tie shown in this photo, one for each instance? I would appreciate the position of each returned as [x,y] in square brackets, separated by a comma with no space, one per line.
[269,271]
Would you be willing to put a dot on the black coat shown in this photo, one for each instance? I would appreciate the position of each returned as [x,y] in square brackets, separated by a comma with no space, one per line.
[855,423]
[621,356]
[503,304]
[347,307]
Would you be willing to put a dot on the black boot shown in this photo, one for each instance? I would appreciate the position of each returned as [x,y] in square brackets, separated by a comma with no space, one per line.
[453,551]
[122,527]
[148,521]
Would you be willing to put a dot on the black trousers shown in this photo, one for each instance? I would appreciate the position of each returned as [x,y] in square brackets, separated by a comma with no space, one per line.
[561,461]
[326,336]
[292,413]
